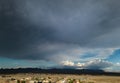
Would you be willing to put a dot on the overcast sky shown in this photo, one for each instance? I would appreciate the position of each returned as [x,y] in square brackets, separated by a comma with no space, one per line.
[72,33]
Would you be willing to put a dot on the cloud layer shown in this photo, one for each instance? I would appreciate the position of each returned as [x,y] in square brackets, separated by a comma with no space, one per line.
[59,30]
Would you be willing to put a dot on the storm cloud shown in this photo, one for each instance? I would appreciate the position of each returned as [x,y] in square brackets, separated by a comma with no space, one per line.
[42,29]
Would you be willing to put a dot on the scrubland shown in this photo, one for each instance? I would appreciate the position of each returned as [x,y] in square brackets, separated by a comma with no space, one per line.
[57,78]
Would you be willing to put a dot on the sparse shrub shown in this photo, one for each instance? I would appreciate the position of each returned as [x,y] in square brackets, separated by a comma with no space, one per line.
[23,82]
[39,82]
[71,81]
[49,77]
[36,79]
[12,79]
[50,82]
[3,76]
[18,81]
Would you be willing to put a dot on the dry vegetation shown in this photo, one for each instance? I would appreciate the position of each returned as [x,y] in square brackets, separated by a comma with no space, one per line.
[57,78]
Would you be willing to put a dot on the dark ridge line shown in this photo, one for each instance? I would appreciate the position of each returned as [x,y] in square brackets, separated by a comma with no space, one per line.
[58,71]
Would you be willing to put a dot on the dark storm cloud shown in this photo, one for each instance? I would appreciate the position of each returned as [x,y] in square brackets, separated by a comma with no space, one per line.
[37,29]
[75,22]
[16,34]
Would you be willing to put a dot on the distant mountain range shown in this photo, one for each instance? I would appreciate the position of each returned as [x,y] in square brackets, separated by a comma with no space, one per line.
[58,71]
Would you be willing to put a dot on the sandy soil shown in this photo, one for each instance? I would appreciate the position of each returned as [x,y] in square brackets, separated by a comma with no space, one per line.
[61,78]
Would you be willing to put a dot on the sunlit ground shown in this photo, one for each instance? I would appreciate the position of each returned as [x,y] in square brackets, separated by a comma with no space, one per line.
[57,78]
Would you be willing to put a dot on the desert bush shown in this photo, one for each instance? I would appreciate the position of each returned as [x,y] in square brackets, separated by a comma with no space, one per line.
[18,81]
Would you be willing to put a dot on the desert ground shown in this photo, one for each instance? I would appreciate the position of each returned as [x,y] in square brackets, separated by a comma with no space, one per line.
[57,78]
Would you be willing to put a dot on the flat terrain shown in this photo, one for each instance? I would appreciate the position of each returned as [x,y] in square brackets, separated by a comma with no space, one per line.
[57,78]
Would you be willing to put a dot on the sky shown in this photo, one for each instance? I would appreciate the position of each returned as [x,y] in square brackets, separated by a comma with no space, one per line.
[79,34]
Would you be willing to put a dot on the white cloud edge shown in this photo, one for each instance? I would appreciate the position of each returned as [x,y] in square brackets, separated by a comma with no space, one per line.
[102,64]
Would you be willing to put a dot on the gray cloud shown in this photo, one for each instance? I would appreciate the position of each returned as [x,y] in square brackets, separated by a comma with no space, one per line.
[42,28]
[98,64]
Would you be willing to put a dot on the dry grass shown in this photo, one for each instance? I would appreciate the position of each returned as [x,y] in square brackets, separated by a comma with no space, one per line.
[58,77]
